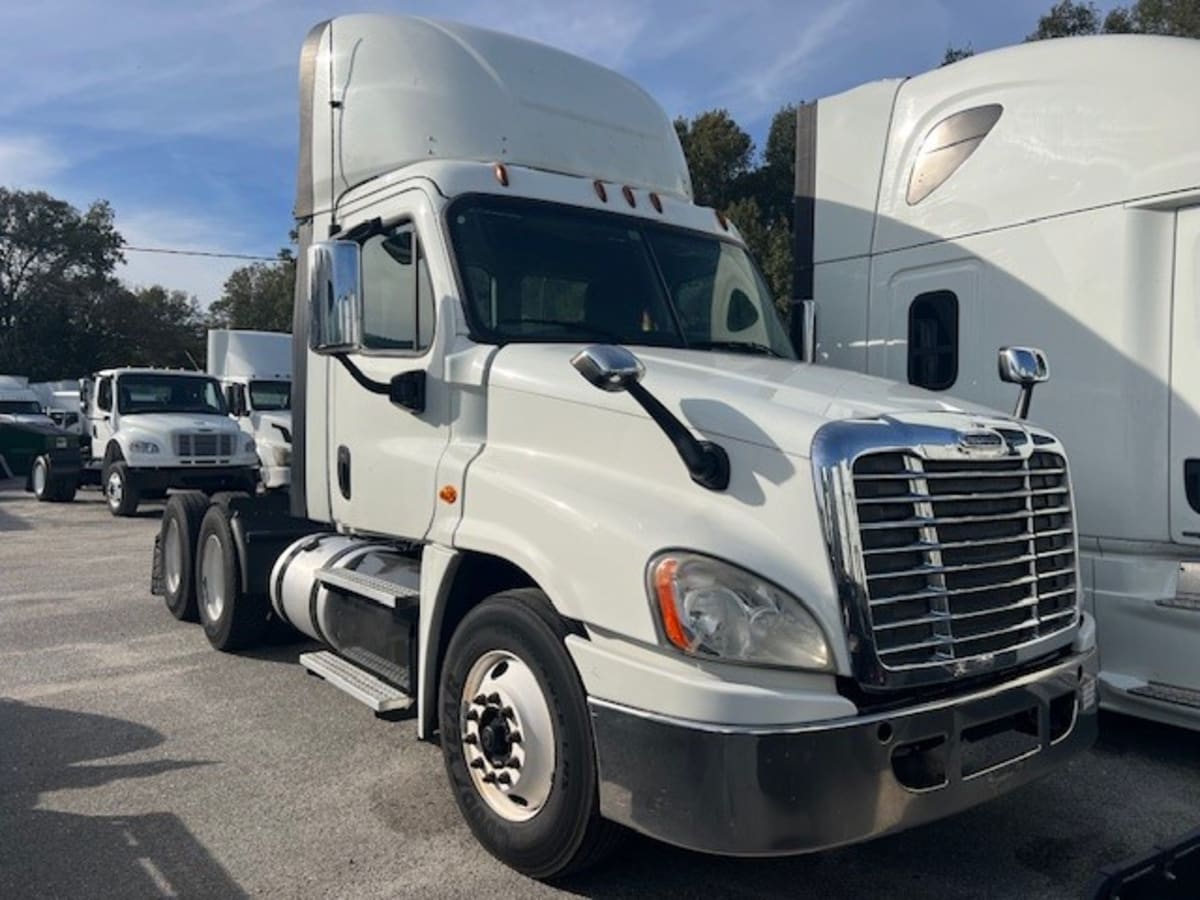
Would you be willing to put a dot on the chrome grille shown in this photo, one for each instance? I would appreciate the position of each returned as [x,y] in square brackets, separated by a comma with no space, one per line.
[963,558]
[203,444]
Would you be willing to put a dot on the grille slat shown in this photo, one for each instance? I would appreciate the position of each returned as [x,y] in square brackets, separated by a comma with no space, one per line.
[963,557]
[201,444]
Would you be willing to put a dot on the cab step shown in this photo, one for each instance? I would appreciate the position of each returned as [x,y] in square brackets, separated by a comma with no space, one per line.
[1166,693]
[360,684]
[383,591]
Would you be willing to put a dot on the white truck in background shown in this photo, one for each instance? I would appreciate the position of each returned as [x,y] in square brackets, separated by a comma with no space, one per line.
[1046,192]
[151,430]
[255,372]
[559,483]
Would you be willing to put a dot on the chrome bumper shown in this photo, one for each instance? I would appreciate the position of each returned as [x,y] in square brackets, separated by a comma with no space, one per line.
[750,792]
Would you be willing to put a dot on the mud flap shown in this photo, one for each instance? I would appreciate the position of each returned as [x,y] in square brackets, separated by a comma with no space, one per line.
[156,569]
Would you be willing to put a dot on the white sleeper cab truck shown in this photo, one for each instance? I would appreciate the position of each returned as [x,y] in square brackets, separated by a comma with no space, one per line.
[1046,192]
[153,429]
[255,372]
[560,483]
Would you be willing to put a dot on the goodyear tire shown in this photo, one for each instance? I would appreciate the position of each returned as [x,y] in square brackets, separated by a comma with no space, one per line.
[180,531]
[119,491]
[232,619]
[517,741]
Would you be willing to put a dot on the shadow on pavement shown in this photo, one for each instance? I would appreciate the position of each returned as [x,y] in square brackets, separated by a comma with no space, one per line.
[11,494]
[44,853]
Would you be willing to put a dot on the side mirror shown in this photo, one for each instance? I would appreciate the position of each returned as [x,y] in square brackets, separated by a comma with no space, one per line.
[614,369]
[1025,366]
[608,367]
[334,296]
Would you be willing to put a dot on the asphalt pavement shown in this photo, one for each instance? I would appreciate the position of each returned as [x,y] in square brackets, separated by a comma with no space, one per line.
[135,761]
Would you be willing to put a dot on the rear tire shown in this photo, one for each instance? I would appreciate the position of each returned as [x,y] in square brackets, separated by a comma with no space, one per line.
[180,531]
[232,620]
[119,492]
[544,819]
[49,487]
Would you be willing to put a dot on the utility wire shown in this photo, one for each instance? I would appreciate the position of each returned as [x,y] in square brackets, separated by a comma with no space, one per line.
[172,251]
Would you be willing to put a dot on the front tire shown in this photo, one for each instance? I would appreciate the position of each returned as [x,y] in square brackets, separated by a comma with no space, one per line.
[119,491]
[47,486]
[232,619]
[517,741]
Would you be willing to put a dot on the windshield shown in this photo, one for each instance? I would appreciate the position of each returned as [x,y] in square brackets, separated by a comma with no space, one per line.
[152,393]
[542,272]
[20,407]
[270,396]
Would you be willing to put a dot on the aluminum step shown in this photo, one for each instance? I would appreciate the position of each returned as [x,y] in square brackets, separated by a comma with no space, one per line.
[360,684]
[372,587]
[1166,693]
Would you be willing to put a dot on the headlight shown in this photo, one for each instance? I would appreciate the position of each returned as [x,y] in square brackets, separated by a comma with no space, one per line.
[712,609]
[250,446]
[282,455]
[144,447]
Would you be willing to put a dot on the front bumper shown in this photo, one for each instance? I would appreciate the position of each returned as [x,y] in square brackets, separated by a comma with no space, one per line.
[206,478]
[778,791]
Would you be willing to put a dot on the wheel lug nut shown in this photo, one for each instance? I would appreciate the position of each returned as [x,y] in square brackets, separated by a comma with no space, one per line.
[493,698]
[471,739]
[472,716]
[489,778]
[504,778]
[513,763]
[515,737]
[508,713]
[477,764]
[480,699]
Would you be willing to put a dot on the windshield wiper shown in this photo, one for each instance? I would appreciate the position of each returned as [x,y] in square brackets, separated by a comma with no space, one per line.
[735,347]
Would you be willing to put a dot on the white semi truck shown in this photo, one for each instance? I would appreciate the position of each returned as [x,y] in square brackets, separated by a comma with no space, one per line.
[560,485]
[150,430]
[255,372]
[1046,192]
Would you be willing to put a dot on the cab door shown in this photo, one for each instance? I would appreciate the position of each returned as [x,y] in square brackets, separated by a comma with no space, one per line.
[101,413]
[1184,467]
[384,453]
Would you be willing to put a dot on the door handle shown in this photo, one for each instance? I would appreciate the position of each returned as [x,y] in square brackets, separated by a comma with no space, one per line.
[343,470]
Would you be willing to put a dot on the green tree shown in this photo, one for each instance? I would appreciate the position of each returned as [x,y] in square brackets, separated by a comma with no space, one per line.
[954,54]
[151,326]
[258,296]
[55,261]
[718,152]
[1067,19]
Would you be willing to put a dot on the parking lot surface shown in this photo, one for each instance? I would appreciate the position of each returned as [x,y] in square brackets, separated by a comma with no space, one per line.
[135,761]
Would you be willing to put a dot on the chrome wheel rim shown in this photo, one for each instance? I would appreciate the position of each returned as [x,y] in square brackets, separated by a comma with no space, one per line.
[173,557]
[39,478]
[212,584]
[114,489]
[507,736]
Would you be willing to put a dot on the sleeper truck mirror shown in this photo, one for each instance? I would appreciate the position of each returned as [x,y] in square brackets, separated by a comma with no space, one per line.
[1025,366]
[335,296]
[614,369]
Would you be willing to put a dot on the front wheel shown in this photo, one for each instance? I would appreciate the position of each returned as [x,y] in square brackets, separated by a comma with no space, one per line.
[119,492]
[49,487]
[517,740]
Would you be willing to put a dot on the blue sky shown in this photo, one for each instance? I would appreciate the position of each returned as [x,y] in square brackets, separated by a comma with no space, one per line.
[182,113]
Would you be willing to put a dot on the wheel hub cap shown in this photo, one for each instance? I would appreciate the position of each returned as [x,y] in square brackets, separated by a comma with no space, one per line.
[212,582]
[507,735]
[173,557]
[116,490]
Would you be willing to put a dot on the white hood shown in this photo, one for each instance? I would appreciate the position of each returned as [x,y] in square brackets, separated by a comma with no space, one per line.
[756,399]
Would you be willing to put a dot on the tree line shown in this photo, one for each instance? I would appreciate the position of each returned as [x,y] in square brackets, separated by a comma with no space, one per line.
[63,311]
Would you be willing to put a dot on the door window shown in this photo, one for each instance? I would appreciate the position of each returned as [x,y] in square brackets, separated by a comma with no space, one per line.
[398,311]
[933,340]
[104,395]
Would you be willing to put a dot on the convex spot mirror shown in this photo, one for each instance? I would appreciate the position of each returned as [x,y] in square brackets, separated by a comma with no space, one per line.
[335,296]
[608,367]
[1023,365]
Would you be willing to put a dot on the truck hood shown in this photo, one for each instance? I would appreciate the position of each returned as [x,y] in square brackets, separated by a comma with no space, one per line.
[26,419]
[760,400]
[270,423]
[159,423]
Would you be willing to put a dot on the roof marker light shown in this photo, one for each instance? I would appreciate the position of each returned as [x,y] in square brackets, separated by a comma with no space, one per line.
[629,198]
[600,191]
[501,173]
[656,202]
[721,218]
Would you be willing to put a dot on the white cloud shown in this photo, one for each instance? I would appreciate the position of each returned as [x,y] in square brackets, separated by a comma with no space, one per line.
[29,161]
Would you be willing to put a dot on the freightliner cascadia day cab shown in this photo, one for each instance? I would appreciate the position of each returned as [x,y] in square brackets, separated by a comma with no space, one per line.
[255,372]
[150,430]
[559,482]
[1049,191]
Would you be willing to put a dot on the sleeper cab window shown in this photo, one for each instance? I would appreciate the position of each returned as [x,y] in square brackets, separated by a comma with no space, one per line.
[398,308]
[947,146]
[933,340]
